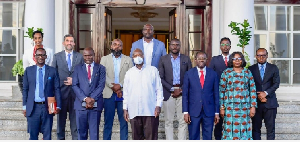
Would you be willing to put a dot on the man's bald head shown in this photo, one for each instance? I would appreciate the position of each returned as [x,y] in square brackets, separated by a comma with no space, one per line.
[138,52]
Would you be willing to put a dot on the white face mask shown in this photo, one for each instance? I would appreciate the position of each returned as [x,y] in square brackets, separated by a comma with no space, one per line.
[138,60]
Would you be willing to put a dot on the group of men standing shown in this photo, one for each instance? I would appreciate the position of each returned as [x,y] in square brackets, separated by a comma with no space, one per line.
[137,87]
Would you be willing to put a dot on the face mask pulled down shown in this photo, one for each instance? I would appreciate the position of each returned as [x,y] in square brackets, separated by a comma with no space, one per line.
[138,60]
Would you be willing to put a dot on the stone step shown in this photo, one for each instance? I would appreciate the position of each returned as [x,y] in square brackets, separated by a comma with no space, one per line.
[284,107]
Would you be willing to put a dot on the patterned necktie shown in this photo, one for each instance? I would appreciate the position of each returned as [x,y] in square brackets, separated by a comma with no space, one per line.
[41,83]
[262,72]
[226,61]
[89,72]
[69,61]
[202,79]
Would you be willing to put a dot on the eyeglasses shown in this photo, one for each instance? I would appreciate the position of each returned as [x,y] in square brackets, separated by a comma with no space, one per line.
[201,59]
[117,44]
[175,44]
[225,44]
[236,59]
[40,55]
[259,56]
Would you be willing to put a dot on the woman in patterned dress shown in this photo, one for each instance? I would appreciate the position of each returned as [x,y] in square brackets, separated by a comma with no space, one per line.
[237,99]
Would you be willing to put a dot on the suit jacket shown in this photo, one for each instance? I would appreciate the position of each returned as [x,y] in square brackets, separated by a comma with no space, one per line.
[218,65]
[270,83]
[51,87]
[194,97]
[158,50]
[107,62]
[60,63]
[83,88]
[28,57]
[166,72]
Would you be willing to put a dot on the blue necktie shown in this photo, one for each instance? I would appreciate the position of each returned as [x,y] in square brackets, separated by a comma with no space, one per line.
[262,72]
[69,61]
[41,83]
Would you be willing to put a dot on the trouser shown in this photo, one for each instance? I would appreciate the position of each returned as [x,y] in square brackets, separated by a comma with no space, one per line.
[170,107]
[40,121]
[269,116]
[144,127]
[109,113]
[67,106]
[88,121]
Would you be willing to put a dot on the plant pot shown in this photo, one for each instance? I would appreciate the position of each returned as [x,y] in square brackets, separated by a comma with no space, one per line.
[20,82]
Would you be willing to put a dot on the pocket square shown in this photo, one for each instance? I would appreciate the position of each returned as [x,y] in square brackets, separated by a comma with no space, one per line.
[49,78]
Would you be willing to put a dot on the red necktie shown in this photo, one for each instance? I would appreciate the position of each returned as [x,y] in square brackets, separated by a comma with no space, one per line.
[202,79]
[89,72]
[226,61]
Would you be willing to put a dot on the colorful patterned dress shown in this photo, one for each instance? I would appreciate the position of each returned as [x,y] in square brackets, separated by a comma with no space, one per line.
[237,96]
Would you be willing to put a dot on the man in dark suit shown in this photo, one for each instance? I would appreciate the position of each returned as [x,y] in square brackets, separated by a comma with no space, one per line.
[88,83]
[267,80]
[64,62]
[40,81]
[200,99]
[152,48]
[219,64]
[171,70]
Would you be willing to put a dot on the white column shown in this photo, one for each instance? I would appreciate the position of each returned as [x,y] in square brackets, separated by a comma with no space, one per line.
[237,11]
[61,23]
[40,14]
[216,32]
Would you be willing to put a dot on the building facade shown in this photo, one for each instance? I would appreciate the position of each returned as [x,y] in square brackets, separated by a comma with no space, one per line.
[199,24]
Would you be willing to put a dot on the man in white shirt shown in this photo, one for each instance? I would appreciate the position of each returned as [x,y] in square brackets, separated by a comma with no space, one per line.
[152,48]
[143,97]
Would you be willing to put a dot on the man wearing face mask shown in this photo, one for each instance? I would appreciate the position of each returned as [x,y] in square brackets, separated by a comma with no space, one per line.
[116,64]
[143,97]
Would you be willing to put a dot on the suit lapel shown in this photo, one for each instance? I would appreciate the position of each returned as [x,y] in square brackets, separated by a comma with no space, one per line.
[265,73]
[169,65]
[95,70]
[206,78]
[122,62]
[85,74]
[155,43]
[197,79]
[46,75]
[63,60]
[257,72]
[111,63]
[142,44]
[222,62]
[74,61]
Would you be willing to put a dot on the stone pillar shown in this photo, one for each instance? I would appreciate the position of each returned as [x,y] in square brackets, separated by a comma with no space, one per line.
[61,23]
[40,14]
[237,11]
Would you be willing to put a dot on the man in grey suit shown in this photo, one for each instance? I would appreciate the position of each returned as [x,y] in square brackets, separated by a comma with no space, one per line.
[64,62]
[172,68]
[116,64]
[152,48]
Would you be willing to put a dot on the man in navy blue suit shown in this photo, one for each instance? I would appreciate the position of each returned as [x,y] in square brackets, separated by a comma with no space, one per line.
[200,99]
[219,64]
[88,83]
[40,81]
[267,80]
[152,48]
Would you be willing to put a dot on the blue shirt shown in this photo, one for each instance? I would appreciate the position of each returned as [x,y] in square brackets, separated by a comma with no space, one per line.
[36,95]
[176,69]
[117,64]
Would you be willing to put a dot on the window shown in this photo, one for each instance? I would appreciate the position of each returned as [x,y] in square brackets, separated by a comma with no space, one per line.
[277,29]
[195,23]
[11,37]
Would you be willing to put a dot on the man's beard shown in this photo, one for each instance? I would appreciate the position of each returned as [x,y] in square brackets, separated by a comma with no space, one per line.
[116,53]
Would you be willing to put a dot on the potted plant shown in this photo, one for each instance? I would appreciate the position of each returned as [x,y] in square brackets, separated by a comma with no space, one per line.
[19,70]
